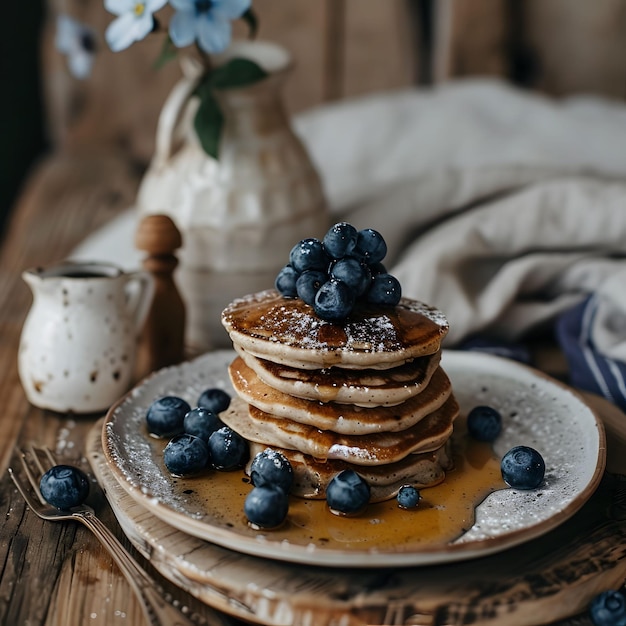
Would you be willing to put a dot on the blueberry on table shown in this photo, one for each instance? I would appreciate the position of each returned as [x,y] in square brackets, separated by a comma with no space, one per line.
[266,507]
[608,609]
[202,423]
[214,399]
[285,282]
[270,468]
[185,455]
[408,497]
[308,254]
[308,284]
[385,289]
[166,415]
[523,468]
[484,423]
[340,240]
[370,246]
[334,301]
[347,493]
[228,449]
[64,486]
[353,272]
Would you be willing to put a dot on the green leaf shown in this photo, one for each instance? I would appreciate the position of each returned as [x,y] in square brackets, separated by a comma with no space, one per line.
[236,73]
[208,121]
[167,54]
[250,18]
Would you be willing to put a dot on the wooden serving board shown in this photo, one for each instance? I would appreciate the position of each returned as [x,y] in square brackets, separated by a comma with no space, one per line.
[548,579]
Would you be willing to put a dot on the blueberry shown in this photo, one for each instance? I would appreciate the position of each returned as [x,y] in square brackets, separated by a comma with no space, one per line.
[214,399]
[228,449]
[408,497]
[608,609]
[266,507]
[186,454]
[347,493]
[377,268]
[334,301]
[355,274]
[340,240]
[64,486]
[308,285]
[271,469]
[370,246]
[523,468]
[165,416]
[308,254]
[202,423]
[484,423]
[285,282]
[385,289]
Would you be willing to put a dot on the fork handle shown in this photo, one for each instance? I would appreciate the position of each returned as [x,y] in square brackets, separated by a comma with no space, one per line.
[157,611]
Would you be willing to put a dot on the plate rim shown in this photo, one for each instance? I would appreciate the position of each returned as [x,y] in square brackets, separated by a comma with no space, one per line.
[296,553]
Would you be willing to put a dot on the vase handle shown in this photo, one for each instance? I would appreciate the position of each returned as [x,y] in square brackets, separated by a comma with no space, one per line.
[171,112]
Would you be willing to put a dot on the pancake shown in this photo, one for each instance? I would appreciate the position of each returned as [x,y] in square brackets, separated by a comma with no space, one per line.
[363,388]
[287,331]
[340,418]
[311,477]
[428,434]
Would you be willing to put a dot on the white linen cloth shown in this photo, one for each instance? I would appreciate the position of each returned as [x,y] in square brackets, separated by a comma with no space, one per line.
[501,207]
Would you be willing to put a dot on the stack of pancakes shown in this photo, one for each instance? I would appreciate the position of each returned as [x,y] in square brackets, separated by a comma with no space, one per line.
[367,394]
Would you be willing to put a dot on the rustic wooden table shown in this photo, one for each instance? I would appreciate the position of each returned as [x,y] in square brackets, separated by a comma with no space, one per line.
[58,573]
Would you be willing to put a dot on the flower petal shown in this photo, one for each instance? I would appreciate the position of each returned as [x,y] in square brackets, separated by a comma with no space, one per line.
[65,33]
[232,9]
[127,29]
[183,28]
[214,33]
[184,5]
[119,7]
[152,6]
[80,64]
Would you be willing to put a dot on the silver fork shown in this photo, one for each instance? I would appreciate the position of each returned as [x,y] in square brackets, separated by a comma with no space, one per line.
[157,611]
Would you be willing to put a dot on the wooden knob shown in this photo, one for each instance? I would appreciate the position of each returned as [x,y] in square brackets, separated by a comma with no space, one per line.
[162,340]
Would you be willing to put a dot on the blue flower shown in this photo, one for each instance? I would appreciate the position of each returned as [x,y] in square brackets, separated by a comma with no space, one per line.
[78,42]
[135,20]
[207,21]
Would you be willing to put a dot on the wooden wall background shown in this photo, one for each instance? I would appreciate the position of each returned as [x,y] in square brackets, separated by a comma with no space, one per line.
[342,49]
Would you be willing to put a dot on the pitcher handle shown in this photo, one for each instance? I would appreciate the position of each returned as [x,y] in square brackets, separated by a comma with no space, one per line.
[171,112]
[139,298]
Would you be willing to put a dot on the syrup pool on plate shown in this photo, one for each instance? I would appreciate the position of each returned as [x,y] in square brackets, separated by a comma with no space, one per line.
[444,513]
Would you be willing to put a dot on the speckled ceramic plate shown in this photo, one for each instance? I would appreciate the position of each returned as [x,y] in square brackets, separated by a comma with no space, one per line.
[471,514]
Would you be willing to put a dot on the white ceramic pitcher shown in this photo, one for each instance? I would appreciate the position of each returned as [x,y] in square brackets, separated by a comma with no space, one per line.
[78,343]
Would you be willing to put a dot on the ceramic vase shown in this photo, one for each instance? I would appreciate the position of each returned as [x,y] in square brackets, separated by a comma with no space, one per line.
[241,214]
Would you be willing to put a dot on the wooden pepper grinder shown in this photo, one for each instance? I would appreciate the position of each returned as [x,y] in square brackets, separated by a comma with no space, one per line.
[162,340]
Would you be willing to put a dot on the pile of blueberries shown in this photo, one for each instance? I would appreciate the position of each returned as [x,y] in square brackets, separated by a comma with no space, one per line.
[331,275]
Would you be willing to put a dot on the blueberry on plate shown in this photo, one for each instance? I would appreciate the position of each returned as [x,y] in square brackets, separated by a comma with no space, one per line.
[64,486]
[608,609]
[202,423]
[370,246]
[484,423]
[523,468]
[285,282]
[385,289]
[166,415]
[309,283]
[270,468]
[266,507]
[408,497]
[347,493]
[355,274]
[340,240]
[334,301]
[308,254]
[228,449]
[214,399]
[185,455]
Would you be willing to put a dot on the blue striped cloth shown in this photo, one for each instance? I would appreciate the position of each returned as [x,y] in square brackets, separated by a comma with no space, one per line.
[589,369]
